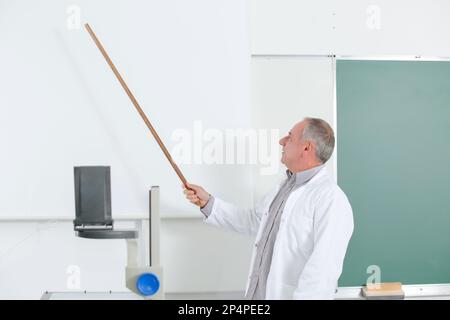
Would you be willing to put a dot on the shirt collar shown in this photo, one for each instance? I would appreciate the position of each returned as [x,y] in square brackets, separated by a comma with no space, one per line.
[304,176]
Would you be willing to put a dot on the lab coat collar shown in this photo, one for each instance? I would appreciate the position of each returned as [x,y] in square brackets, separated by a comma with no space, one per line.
[304,176]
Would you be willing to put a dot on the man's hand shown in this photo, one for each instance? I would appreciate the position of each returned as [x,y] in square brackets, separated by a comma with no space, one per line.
[196,195]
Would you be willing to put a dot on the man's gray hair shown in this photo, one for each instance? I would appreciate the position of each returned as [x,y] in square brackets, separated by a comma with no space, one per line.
[321,134]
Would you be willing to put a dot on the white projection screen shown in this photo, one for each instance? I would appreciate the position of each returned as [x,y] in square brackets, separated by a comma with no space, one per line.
[61,106]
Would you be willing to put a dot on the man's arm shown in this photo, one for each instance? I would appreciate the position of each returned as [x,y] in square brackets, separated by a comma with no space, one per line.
[223,214]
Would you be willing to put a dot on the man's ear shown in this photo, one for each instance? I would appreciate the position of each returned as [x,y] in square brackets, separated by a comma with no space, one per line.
[308,146]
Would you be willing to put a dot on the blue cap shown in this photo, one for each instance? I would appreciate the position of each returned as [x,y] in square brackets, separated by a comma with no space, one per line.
[147,284]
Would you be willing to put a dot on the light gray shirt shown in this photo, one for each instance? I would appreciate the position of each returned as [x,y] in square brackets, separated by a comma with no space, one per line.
[264,247]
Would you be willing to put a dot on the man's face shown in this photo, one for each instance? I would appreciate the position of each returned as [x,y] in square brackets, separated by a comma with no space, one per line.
[293,146]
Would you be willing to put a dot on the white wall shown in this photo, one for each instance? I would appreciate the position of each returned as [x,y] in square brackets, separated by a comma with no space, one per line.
[35,256]
[284,91]
[350,27]
[46,256]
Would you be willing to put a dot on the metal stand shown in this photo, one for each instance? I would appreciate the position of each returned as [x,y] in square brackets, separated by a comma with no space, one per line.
[94,221]
[147,280]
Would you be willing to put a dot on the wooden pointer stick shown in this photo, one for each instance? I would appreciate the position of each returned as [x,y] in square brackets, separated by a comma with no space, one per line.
[136,104]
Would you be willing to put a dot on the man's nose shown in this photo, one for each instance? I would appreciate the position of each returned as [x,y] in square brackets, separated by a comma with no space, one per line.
[282,141]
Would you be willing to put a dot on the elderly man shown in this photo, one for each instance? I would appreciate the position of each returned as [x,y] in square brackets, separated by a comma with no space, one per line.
[302,227]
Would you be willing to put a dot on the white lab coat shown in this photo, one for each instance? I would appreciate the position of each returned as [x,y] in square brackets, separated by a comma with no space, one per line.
[310,246]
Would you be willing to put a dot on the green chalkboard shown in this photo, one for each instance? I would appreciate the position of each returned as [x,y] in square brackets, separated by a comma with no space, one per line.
[393,162]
